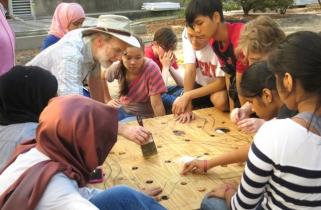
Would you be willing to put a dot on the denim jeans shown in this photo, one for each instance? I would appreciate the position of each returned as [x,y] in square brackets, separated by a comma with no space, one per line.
[123,115]
[124,198]
[168,98]
[217,204]
[213,204]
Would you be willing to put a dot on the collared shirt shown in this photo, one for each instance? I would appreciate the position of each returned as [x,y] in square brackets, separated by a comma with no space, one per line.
[70,60]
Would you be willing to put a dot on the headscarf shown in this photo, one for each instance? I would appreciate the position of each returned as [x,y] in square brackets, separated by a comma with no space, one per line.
[65,14]
[7,45]
[76,133]
[24,93]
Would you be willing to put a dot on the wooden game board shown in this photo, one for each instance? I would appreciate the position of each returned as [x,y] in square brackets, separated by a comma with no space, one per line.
[126,165]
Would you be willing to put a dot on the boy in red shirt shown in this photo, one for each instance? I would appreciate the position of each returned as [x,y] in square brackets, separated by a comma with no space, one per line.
[207,20]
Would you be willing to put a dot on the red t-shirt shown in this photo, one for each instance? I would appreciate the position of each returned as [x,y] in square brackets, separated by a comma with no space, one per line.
[226,54]
[150,54]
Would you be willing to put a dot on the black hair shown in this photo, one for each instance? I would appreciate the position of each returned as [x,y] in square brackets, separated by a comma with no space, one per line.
[300,56]
[207,8]
[255,79]
[123,84]
[165,37]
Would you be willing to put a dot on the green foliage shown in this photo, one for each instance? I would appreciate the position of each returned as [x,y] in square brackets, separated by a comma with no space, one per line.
[231,5]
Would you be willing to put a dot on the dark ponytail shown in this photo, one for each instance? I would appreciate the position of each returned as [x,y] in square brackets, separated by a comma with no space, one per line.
[255,79]
[300,56]
[123,84]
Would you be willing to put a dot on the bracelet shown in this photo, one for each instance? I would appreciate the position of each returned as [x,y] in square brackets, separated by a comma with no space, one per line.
[205,166]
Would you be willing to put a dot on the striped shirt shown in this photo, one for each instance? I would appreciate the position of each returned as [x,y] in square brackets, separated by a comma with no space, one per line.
[147,84]
[283,170]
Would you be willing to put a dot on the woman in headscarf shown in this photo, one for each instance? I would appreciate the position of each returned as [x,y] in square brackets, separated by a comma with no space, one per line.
[24,93]
[7,44]
[74,136]
[67,17]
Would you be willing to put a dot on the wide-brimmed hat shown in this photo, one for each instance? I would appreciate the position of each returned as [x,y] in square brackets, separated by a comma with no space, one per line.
[115,25]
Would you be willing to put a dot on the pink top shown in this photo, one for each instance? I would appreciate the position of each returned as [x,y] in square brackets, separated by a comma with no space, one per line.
[7,45]
[65,14]
[150,54]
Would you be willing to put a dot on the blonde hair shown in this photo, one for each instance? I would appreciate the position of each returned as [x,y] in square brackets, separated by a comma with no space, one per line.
[261,35]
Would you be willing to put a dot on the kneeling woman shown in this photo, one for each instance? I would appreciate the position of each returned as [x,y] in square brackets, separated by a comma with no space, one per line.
[140,84]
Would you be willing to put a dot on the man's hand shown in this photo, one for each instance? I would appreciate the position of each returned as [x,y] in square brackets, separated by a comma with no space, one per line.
[114,103]
[137,134]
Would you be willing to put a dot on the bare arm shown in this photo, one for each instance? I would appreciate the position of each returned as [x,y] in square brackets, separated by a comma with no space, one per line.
[238,86]
[227,82]
[176,76]
[215,86]
[157,105]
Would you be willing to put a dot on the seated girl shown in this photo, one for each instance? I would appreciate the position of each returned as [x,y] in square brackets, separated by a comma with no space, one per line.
[161,51]
[74,136]
[67,17]
[283,167]
[259,88]
[140,84]
[204,80]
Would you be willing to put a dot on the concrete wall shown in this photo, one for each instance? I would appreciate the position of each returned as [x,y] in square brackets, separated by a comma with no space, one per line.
[47,7]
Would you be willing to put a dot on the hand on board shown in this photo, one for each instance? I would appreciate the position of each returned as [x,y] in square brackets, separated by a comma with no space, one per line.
[180,104]
[153,192]
[222,190]
[185,117]
[137,134]
[250,125]
[195,166]
[238,114]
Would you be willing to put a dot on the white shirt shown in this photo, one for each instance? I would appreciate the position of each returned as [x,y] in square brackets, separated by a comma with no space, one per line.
[207,63]
[70,60]
[283,167]
[61,192]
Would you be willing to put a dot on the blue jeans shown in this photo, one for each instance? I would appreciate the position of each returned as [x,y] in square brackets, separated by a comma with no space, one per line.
[85,92]
[217,204]
[124,198]
[123,115]
[168,98]
[214,204]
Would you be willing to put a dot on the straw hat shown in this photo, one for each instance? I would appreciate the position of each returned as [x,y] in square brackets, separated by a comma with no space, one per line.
[115,25]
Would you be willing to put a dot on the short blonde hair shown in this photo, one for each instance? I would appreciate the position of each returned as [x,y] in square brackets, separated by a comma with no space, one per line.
[261,35]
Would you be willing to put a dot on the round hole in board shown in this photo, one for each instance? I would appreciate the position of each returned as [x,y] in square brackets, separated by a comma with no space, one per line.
[134,168]
[159,146]
[168,161]
[206,153]
[201,189]
[222,130]
[164,197]
[183,183]
[149,181]
[178,132]
[212,135]
[163,123]
[121,153]
[187,140]
[199,126]
[223,122]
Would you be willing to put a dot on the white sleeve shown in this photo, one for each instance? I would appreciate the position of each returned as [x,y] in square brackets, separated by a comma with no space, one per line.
[188,51]
[64,193]
[68,73]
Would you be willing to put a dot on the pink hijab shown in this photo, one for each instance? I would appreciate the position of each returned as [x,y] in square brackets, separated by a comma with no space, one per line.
[65,14]
[7,45]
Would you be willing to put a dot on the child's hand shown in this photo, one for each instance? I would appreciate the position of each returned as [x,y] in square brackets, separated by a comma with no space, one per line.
[167,59]
[180,104]
[185,117]
[238,114]
[250,125]
[195,166]
[114,103]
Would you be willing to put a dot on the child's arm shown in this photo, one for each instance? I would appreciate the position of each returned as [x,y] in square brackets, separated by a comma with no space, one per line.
[95,84]
[176,76]
[238,87]
[199,166]
[181,103]
[157,105]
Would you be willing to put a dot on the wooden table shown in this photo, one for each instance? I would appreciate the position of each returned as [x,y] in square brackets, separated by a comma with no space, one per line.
[175,144]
